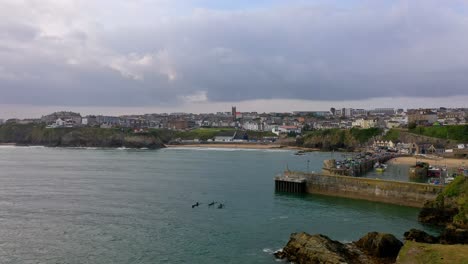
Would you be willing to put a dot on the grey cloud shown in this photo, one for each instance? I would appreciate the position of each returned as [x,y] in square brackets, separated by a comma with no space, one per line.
[408,48]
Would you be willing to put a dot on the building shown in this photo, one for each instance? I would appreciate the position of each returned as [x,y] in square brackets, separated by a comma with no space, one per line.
[50,119]
[252,125]
[180,124]
[364,123]
[422,117]
[384,111]
[286,130]
[233,112]
[312,113]
[383,144]
[226,136]
[107,120]
[359,112]
[1,121]
[347,112]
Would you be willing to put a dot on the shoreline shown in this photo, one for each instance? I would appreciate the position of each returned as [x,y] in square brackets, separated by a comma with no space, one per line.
[241,146]
[449,162]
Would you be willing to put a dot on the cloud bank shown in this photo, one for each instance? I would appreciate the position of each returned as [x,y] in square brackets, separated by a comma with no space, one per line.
[168,53]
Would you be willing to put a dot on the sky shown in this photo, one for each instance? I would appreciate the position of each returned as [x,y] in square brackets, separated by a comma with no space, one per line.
[142,56]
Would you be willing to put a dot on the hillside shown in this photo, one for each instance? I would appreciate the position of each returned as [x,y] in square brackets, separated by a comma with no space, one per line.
[333,139]
[458,133]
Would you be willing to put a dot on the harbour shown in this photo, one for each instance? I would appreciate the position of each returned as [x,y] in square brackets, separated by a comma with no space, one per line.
[136,205]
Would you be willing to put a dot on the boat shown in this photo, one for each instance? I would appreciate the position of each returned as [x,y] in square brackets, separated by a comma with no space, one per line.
[449,180]
[380,167]
[434,180]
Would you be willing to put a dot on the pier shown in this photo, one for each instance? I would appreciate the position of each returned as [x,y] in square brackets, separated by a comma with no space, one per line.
[291,185]
[386,191]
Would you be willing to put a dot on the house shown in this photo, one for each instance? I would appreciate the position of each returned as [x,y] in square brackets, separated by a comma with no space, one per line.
[383,144]
[225,136]
[63,123]
[414,148]
[426,149]
[251,125]
[288,129]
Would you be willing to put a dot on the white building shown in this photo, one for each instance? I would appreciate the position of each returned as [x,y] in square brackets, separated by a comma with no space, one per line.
[364,123]
[254,126]
[286,130]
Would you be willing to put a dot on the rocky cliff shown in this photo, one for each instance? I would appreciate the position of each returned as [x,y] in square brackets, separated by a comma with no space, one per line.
[76,137]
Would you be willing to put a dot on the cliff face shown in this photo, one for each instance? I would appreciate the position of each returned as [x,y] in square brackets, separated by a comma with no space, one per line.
[76,137]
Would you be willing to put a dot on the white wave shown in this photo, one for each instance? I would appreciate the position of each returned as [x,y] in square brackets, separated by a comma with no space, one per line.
[7,146]
[15,146]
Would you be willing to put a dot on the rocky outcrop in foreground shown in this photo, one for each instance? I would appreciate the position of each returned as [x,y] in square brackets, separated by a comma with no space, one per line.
[374,247]
[449,209]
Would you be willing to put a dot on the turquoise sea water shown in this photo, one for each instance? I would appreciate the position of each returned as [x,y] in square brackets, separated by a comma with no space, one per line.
[62,205]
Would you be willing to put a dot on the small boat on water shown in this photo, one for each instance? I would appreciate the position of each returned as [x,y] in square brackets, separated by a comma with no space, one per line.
[380,167]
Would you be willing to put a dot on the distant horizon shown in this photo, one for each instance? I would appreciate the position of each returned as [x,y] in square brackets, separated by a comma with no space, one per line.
[23,111]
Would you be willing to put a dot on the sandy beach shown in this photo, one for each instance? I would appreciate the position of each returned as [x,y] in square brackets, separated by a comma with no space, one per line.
[240,146]
[449,162]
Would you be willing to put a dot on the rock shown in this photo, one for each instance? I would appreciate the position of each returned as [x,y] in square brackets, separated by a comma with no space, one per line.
[453,235]
[303,248]
[436,215]
[420,236]
[380,245]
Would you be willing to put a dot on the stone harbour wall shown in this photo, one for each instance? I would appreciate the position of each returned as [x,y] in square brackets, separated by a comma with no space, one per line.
[394,192]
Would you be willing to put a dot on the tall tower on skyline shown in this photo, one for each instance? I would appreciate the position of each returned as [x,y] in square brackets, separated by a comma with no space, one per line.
[234,111]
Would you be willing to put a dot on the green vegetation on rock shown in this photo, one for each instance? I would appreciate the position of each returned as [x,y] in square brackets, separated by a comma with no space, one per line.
[349,139]
[202,134]
[33,134]
[450,206]
[459,133]
[393,135]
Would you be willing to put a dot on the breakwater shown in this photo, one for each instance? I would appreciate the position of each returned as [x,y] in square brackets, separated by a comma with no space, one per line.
[393,192]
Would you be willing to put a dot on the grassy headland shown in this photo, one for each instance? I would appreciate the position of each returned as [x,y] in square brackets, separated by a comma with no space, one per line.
[33,134]
[421,253]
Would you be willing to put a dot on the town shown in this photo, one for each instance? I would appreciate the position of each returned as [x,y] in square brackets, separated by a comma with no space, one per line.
[235,126]
[277,123]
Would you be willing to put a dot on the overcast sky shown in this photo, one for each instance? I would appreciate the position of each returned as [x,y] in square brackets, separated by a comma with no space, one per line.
[205,55]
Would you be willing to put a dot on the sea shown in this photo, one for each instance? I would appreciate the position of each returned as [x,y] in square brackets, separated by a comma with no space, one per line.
[90,205]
